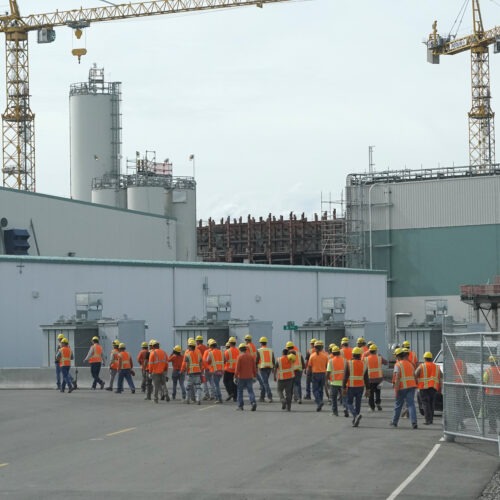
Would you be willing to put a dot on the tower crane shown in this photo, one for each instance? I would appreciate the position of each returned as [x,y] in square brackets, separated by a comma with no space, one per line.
[481,116]
[18,121]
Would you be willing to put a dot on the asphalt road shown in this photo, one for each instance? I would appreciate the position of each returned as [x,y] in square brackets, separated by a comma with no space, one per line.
[100,445]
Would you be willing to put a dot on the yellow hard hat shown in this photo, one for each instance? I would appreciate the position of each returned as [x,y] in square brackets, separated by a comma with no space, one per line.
[373,347]
[199,337]
[313,341]
[345,340]
[209,341]
[122,346]
[64,340]
[405,350]
[191,342]
[232,340]
[242,346]
[398,351]
[292,357]
[406,343]
[144,344]
[361,340]
[369,343]
[492,359]
[248,337]
[335,348]
[318,343]
[263,340]
[228,344]
[60,336]
[289,345]
[427,355]
[95,338]
[116,342]
[177,348]
[152,342]
[357,351]
[212,342]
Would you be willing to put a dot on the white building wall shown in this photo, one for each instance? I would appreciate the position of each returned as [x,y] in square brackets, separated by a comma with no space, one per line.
[38,291]
[63,226]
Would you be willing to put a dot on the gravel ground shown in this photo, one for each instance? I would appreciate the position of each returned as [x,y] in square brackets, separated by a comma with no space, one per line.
[492,491]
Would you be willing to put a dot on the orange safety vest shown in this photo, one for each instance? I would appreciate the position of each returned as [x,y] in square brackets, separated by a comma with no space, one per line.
[193,360]
[458,371]
[115,359]
[346,352]
[65,359]
[158,361]
[216,360]
[96,354]
[297,364]
[252,349]
[428,376]
[124,363]
[492,378]
[413,358]
[356,373]
[143,358]
[336,367]
[407,375]
[374,366]
[285,368]
[202,348]
[231,356]
[265,357]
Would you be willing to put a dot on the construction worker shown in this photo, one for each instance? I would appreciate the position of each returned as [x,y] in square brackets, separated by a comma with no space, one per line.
[207,374]
[354,383]
[334,376]
[95,359]
[308,372]
[64,356]
[428,376]
[299,366]
[345,349]
[367,352]
[203,349]
[374,363]
[265,364]
[251,349]
[193,366]
[412,355]
[215,362]
[361,343]
[125,369]
[405,385]
[285,376]
[178,376]
[230,357]
[142,361]
[244,376]
[317,364]
[56,361]
[158,367]
[491,378]
[149,379]
[113,364]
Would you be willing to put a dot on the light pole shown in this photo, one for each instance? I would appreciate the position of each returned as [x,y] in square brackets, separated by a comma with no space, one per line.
[191,158]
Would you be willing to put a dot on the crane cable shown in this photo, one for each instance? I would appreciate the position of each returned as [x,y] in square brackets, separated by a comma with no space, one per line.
[458,22]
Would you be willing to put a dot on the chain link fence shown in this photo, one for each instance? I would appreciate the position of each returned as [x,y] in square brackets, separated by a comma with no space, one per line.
[471,379]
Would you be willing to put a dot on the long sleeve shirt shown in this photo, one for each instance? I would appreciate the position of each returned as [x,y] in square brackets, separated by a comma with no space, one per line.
[245,366]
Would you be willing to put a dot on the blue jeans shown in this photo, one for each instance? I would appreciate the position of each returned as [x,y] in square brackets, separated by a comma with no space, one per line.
[66,378]
[408,396]
[263,378]
[334,393]
[245,383]
[318,384]
[178,376]
[58,375]
[353,404]
[297,385]
[125,374]
[95,369]
[216,376]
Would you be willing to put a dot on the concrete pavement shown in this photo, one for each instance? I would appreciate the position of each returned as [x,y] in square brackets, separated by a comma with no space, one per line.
[101,445]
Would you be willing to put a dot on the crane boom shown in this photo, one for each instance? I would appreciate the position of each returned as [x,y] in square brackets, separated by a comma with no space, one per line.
[18,121]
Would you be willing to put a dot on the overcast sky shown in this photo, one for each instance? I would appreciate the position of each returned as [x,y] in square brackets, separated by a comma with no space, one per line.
[278,104]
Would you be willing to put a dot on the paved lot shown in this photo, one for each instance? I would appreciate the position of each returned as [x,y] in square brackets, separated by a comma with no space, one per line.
[98,445]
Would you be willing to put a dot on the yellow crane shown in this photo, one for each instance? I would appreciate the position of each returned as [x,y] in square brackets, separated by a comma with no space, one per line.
[481,116]
[18,121]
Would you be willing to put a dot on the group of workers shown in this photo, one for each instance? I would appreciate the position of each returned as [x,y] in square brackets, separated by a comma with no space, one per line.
[344,374]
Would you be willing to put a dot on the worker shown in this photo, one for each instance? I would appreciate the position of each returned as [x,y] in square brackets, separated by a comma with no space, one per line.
[64,357]
[345,349]
[244,376]
[374,363]
[251,349]
[265,364]
[404,388]
[334,376]
[149,380]
[354,383]
[317,365]
[178,376]
[207,374]
[56,361]
[216,366]
[361,343]
[95,358]
[158,363]
[299,365]
[142,361]
[113,364]
[203,349]
[193,366]
[428,376]
[412,355]
[491,378]
[230,357]
[367,352]
[284,374]
[125,369]
[308,372]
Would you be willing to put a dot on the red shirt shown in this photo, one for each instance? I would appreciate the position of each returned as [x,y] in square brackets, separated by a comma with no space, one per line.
[245,366]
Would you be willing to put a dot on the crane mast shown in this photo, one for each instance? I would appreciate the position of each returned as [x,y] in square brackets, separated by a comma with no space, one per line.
[18,121]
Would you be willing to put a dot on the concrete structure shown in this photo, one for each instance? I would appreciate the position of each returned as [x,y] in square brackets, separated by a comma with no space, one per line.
[38,290]
[432,230]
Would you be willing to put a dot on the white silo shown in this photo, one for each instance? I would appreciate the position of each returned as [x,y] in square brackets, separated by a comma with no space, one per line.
[184,210]
[95,132]
[110,190]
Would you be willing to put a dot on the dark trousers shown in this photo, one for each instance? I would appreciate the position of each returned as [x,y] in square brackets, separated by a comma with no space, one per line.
[95,369]
[492,403]
[125,374]
[230,385]
[354,395]
[308,384]
[285,392]
[297,385]
[374,398]
[178,377]
[66,378]
[335,391]
[58,375]
[428,396]
[263,378]
[318,385]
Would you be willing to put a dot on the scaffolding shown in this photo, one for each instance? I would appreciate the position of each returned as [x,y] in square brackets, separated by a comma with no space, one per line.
[483,299]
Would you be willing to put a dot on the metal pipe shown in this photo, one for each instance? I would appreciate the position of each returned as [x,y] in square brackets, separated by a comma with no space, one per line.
[370,221]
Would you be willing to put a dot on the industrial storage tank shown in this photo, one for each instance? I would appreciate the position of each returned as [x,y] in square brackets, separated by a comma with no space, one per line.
[149,199]
[95,132]
[184,210]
